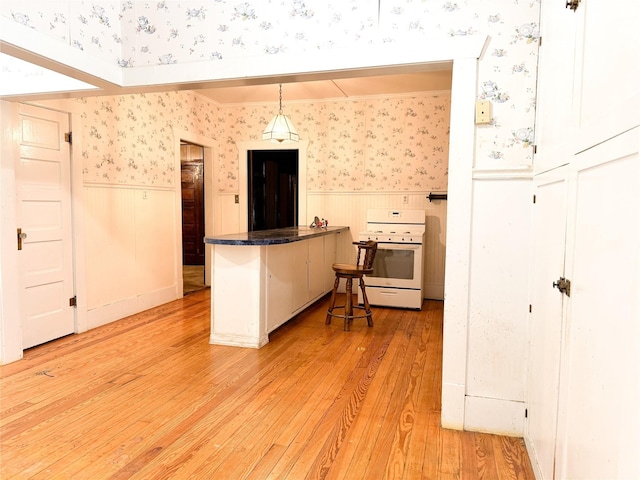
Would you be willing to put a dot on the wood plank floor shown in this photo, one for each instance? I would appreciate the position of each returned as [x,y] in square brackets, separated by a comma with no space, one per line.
[147,397]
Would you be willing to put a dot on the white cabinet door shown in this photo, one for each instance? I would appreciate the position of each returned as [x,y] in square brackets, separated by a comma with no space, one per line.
[278,289]
[545,331]
[299,252]
[316,268]
[607,71]
[330,245]
[555,85]
[599,418]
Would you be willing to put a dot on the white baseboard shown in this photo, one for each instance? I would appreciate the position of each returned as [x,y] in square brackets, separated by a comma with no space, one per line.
[492,415]
[534,459]
[452,415]
[129,306]
[238,341]
[433,291]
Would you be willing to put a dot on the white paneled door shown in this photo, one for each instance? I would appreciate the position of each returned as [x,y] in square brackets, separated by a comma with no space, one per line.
[44,217]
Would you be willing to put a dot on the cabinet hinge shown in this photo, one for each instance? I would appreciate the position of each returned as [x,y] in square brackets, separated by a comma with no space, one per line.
[540,41]
[529,308]
[534,199]
[68,137]
[73,301]
[535,149]
[526,412]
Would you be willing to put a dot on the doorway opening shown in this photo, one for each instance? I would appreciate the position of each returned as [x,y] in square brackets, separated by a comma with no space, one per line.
[272,188]
[193,230]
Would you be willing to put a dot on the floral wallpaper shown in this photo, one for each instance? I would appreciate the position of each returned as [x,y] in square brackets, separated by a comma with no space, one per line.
[381,144]
[141,33]
[387,144]
[131,139]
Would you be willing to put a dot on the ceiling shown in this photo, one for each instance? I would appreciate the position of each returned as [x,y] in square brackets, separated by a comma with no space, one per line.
[363,86]
[22,80]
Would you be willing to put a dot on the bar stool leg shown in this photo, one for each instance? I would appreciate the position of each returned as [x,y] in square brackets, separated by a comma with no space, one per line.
[332,302]
[367,307]
[348,309]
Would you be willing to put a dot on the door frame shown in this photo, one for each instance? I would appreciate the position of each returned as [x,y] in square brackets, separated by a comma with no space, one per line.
[210,198]
[243,183]
[200,165]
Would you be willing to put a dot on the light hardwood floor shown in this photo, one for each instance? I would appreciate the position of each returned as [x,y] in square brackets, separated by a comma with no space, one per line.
[147,397]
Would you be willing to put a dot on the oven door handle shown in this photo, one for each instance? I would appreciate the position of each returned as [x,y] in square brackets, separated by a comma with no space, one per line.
[399,246]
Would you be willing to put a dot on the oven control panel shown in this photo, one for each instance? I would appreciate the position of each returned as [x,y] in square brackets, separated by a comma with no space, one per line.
[393,237]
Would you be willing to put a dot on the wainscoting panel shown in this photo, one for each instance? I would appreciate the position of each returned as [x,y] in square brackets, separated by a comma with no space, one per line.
[498,293]
[110,244]
[155,240]
[130,250]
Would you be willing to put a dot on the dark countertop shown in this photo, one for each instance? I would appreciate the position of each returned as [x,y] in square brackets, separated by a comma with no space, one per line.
[272,237]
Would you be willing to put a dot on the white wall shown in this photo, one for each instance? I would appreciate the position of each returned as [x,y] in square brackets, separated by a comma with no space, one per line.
[498,305]
[130,250]
[10,327]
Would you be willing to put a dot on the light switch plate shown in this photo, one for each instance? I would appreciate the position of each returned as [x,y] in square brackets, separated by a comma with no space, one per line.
[483,112]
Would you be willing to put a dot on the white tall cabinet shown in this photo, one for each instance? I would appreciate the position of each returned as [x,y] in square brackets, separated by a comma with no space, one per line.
[583,385]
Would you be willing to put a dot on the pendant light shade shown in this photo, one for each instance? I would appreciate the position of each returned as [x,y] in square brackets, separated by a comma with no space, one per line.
[280,128]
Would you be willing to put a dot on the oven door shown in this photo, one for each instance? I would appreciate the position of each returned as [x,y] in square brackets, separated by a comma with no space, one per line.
[397,265]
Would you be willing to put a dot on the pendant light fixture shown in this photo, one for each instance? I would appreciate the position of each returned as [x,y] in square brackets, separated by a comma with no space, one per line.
[280,128]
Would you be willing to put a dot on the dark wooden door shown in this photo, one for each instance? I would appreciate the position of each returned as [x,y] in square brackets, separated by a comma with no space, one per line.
[273,189]
[192,213]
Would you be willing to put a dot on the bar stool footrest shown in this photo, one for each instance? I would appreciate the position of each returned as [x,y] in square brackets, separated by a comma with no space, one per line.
[347,317]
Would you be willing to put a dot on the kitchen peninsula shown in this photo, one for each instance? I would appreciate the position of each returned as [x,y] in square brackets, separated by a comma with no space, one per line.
[261,279]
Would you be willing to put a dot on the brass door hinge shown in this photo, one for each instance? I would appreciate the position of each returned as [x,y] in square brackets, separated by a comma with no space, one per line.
[68,137]
[73,301]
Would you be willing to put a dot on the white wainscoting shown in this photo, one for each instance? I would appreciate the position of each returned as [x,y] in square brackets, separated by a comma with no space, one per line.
[498,304]
[130,250]
[350,209]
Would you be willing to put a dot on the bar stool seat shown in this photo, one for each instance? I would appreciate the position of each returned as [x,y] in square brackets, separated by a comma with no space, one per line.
[350,272]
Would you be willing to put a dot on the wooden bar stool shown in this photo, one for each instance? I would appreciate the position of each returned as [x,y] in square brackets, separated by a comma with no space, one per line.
[350,272]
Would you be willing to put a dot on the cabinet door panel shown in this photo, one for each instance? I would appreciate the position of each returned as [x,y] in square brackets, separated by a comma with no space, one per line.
[279,278]
[607,70]
[316,267]
[555,84]
[599,424]
[329,259]
[545,332]
[299,252]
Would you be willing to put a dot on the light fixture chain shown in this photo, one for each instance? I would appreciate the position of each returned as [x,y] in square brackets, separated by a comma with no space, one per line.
[280,99]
